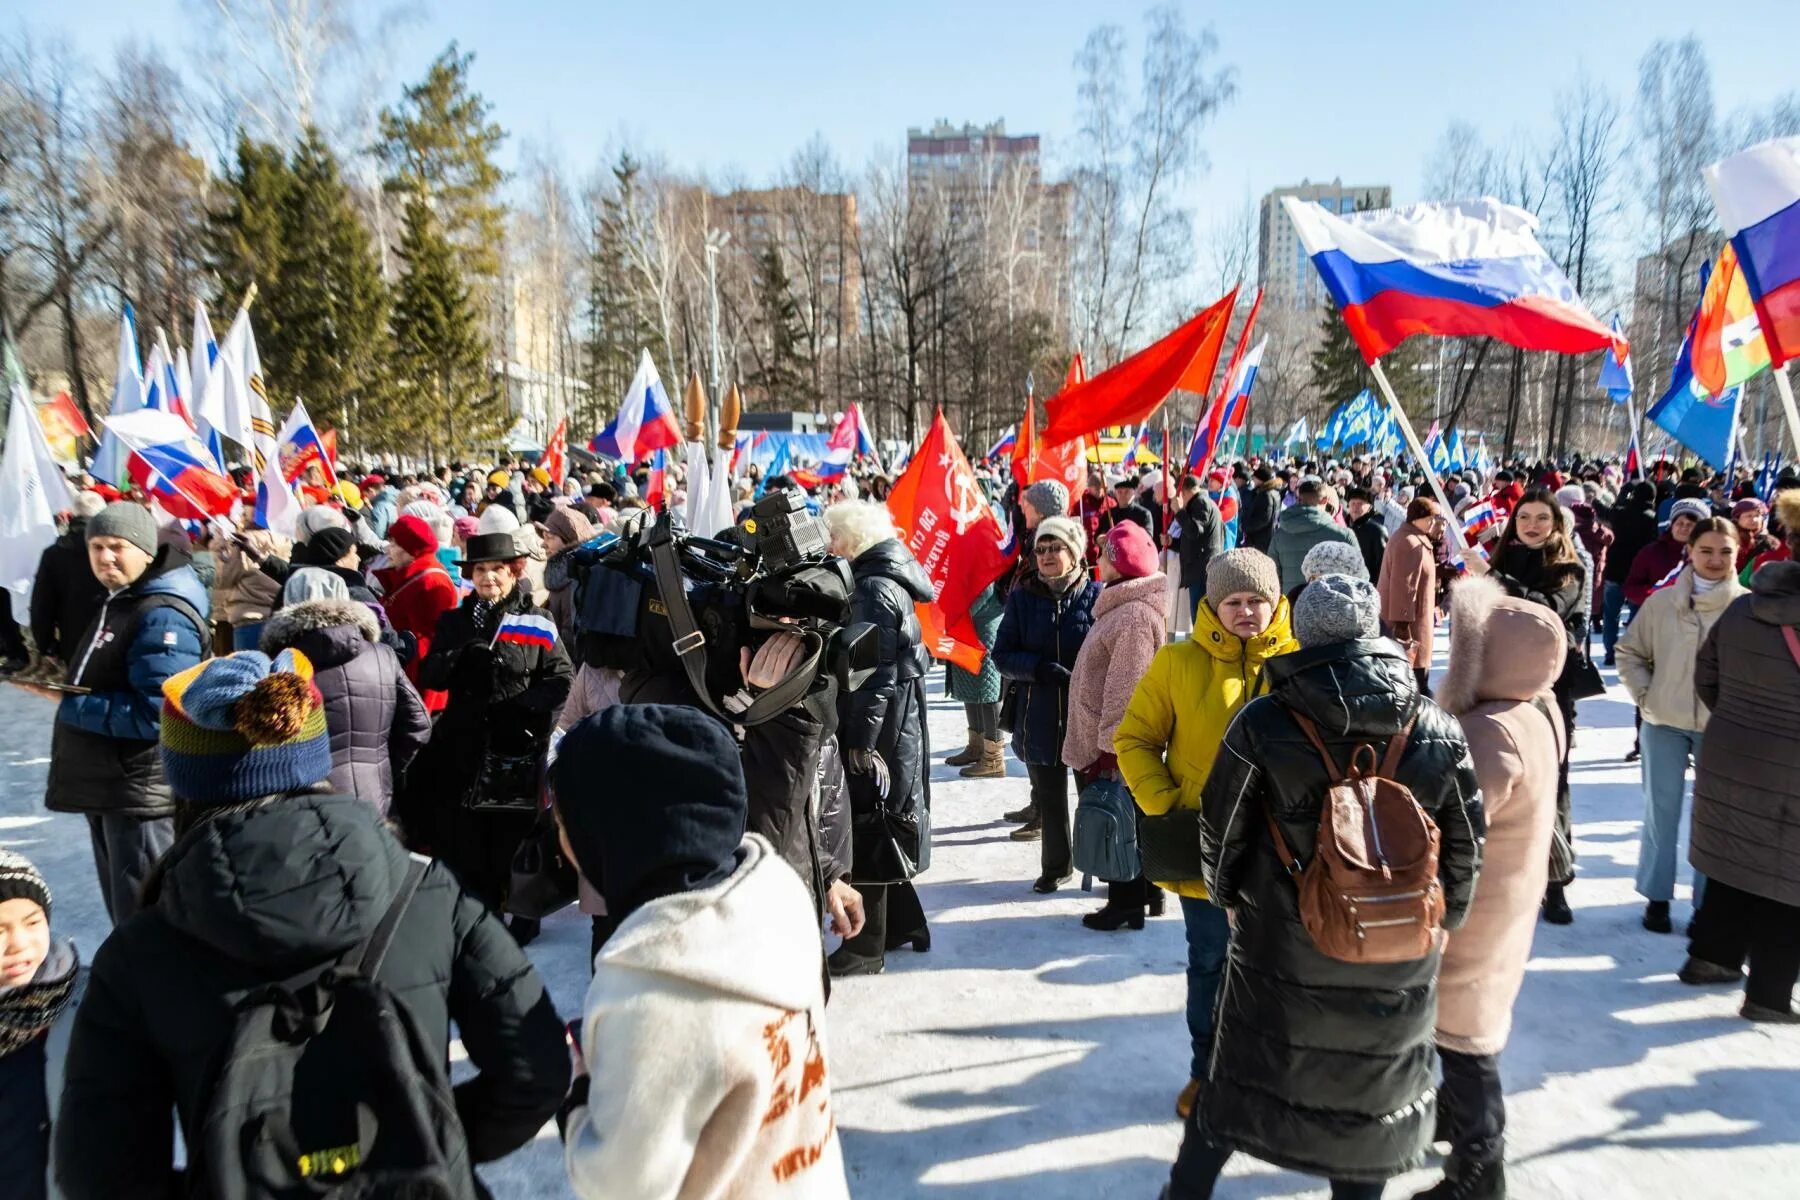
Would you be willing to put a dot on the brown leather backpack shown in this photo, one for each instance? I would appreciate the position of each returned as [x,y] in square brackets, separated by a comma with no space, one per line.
[1371,892]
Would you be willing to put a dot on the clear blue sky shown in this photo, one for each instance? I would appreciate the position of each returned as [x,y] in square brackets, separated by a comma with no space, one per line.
[1326,88]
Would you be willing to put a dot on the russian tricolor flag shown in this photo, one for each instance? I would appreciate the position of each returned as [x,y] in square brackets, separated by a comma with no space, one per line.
[527,629]
[1469,268]
[1232,413]
[646,420]
[170,463]
[1004,446]
[1478,518]
[849,439]
[1757,194]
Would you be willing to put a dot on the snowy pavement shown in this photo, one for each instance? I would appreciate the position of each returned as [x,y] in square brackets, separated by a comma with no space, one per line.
[1027,1056]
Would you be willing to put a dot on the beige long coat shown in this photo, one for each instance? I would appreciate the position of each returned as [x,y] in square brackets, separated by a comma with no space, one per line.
[1504,654]
[1408,589]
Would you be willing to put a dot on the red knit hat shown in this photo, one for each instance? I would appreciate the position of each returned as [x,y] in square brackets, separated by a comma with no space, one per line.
[1132,552]
[414,536]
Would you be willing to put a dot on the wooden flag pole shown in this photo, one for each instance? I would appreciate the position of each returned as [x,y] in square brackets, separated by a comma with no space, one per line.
[1417,450]
[1786,391]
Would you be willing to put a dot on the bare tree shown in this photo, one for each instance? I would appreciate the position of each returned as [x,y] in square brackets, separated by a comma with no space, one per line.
[1231,248]
[1676,138]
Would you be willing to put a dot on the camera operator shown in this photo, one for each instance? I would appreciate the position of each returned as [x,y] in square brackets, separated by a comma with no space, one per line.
[881,730]
[474,790]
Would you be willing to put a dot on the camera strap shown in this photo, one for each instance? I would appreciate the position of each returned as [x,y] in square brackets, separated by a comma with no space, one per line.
[690,642]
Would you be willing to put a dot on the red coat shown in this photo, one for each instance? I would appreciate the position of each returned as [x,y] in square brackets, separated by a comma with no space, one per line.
[415,596]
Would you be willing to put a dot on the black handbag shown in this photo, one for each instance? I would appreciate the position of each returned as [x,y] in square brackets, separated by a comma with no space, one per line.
[505,782]
[888,846]
[1170,846]
[544,881]
[1584,678]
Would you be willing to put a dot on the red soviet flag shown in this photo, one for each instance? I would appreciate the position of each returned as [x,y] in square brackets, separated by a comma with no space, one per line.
[1064,462]
[556,453]
[1128,393]
[947,524]
[1024,447]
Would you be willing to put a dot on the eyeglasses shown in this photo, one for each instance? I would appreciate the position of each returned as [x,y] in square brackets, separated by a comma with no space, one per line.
[1044,548]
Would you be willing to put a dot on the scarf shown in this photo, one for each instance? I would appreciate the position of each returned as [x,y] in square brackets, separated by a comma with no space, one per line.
[1059,585]
[28,1010]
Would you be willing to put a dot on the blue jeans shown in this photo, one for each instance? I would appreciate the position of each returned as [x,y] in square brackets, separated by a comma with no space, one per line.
[246,636]
[1612,604]
[1666,752]
[1208,933]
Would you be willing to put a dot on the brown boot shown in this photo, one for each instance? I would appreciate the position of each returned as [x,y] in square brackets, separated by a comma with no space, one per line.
[968,753]
[992,764]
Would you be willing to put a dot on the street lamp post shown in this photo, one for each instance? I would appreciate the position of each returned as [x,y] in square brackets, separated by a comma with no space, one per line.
[716,240]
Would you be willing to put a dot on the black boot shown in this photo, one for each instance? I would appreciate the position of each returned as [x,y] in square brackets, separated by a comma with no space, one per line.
[1466,1180]
[1124,907]
[845,962]
[1154,900]
[1021,815]
[1656,917]
[1556,907]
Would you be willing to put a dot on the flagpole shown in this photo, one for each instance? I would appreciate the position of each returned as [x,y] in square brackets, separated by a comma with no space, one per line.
[1451,520]
[1786,390]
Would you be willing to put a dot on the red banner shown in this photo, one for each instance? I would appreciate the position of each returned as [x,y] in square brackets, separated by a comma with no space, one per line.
[556,453]
[1128,393]
[1024,446]
[948,525]
[1065,462]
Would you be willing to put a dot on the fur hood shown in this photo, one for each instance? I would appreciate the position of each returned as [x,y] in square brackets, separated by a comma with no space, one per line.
[289,624]
[1529,641]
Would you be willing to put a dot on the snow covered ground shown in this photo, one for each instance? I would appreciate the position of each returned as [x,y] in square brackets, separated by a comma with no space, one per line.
[1026,1056]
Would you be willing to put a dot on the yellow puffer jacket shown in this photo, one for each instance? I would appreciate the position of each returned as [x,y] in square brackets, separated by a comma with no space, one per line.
[1181,708]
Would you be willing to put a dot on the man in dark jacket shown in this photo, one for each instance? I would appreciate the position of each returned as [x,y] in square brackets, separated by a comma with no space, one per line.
[1633,521]
[1202,536]
[1367,524]
[271,879]
[103,762]
[1261,506]
[64,594]
[1320,1065]
[881,725]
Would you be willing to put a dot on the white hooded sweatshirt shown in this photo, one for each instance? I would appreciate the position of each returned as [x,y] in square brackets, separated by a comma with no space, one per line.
[704,1034]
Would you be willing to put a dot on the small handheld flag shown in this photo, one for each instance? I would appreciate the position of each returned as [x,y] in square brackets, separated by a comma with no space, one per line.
[527,629]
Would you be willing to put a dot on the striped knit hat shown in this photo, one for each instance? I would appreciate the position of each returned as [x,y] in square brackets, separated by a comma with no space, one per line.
[19,880]
[243,726]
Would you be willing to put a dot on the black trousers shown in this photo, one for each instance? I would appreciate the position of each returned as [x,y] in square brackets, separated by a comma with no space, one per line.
[891,914]
[1733,926]
[1474,1104]
[1050,796]
[1199,1162]
[984,719]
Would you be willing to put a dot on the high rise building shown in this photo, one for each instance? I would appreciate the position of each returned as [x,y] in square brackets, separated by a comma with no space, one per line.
[1282,267]
[967,156]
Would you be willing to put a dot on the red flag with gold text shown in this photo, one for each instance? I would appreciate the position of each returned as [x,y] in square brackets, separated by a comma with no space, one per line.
[948,525]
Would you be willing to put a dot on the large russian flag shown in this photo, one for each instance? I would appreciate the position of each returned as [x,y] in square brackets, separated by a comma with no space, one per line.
[171,463]
[1757,194]
[1464,269]
[646,420]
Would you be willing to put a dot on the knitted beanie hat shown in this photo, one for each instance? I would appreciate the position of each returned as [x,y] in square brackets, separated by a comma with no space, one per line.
[19,880]
[243,726]
[1689,507]
[1066,530]
[1048,498]
[1337,608]
[414,536]
[1334,558]
[126,520]
[1242,570]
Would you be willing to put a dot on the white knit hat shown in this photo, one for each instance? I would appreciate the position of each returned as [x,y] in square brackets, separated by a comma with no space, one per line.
[1066,530]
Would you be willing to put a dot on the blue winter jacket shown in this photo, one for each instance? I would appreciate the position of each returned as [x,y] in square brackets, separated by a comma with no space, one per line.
[1039,637]
[127,698]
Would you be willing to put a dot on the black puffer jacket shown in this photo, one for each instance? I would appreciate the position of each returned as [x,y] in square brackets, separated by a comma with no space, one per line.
[264,892]
[378,722]
[64,595]
[1202,536]
[887,714]
[1318,1065]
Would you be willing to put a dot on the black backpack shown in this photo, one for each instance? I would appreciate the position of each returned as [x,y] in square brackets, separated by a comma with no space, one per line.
[328,1091]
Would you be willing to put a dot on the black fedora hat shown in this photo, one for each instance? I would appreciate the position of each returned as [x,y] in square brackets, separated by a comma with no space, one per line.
[490,547]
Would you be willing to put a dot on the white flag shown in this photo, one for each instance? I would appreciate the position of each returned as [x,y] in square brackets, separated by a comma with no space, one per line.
[128,396]
[32,492]
[205,402]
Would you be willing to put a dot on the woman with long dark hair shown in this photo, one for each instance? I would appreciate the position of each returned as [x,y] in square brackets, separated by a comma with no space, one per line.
[1535,559]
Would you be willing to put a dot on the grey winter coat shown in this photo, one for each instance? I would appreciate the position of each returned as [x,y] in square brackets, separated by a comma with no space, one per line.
[1298,530]
[377,720]
[1747,785]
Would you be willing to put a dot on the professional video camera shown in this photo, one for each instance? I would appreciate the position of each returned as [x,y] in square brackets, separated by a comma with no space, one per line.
[654,597]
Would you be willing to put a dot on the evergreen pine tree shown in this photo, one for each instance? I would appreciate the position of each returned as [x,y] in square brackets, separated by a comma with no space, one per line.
[246,237]
[1339,372]
[439,143]
[618,326]
[322,326]
[784,374]
[444,388]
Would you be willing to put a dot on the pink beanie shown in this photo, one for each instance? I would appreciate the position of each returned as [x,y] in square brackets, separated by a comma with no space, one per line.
[1132,552]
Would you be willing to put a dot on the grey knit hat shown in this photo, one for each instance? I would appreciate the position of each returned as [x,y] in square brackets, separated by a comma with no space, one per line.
[1689,507]
[1241,570]
[19,880]
[1066,530]
[1337,608]
[1048,497]
[1334,558]
[127,521]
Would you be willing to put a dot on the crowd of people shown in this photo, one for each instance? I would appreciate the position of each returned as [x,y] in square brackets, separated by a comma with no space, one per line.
[365,752]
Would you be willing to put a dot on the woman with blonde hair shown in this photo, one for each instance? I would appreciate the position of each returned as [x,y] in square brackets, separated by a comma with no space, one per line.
[881,728]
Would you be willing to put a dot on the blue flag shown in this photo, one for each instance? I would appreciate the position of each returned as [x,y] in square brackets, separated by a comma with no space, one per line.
[1703,423]
[1615,368]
